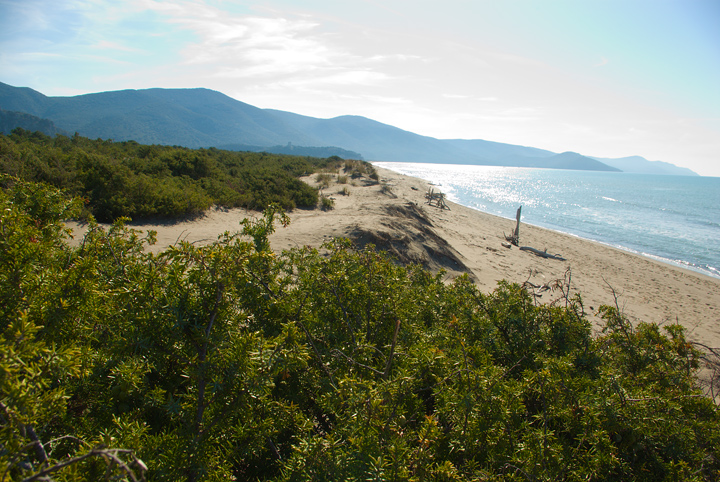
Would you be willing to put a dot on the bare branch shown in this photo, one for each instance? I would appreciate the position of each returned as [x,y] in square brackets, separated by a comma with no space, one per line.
[111,456]
[392,349]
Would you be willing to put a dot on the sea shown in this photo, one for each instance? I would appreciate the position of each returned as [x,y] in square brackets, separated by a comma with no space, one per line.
[673,219]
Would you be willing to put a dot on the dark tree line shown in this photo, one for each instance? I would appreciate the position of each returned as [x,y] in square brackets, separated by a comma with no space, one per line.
[139,181]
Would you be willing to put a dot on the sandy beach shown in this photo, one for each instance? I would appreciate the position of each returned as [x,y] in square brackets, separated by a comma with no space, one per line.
[395,216]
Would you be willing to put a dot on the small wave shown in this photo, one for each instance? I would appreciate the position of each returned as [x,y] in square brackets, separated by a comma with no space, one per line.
[610,199]
[705,269]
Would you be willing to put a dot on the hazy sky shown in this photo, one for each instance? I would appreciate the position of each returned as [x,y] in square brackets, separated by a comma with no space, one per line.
[606,78]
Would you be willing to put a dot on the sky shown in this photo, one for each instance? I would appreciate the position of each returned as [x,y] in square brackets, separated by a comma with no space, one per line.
[605,78]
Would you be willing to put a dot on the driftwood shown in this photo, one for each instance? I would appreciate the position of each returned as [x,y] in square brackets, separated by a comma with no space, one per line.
[514,238]
[436,199]
[543,254]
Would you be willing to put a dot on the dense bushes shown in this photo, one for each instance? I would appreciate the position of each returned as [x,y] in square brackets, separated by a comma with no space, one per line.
[230,361]
[129,179]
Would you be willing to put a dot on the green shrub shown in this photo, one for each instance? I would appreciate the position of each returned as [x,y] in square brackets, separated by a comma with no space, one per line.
[387,190]
[327,203]
[324,179]
[230,361]
[129,179]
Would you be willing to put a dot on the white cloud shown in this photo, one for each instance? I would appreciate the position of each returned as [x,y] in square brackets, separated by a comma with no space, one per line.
[246,47]
[602,63]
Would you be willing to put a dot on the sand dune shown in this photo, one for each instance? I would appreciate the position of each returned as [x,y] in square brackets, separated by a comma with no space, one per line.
[395,216]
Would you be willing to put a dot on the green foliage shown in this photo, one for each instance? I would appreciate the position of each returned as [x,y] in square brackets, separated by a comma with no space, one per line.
[9,120]
[387,190]
[324,179]
[231,361]
[327,203]
[358,169]
[38,365]
[140,181]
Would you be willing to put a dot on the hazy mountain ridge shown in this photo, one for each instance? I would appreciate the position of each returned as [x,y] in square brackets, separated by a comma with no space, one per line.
[641,165]
[497,151]
[206,118]
[377,141]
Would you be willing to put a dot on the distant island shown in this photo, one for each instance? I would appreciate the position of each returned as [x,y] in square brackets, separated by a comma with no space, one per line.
[205,118]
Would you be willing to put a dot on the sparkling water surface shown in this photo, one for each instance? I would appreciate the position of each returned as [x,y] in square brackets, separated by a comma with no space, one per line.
[675,219]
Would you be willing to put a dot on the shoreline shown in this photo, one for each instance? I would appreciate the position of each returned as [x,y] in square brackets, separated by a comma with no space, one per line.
[676,259]
[394,216]
[684,265]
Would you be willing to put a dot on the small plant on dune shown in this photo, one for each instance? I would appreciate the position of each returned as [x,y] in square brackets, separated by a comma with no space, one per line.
[324,179]
[387,190]
[352,165]
[345,191]
[358,169]
[327,203]
[334,163]
[342,179]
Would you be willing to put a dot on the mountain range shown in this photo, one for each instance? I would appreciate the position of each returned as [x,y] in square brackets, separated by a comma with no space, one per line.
[206,118]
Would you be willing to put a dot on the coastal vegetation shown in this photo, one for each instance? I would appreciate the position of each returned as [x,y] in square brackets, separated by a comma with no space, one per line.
[231,361]
[128,179]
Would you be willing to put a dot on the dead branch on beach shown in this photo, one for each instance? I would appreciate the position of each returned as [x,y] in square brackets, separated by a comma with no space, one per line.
[536,290]
[436,199]
[563,286]
[514,238]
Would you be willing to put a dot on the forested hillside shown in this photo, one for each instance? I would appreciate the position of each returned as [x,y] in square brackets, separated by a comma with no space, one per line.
[139,181]
[9,120]
[232,362]
[205,118]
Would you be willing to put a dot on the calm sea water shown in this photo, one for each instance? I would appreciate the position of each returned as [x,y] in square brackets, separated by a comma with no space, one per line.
[675,219]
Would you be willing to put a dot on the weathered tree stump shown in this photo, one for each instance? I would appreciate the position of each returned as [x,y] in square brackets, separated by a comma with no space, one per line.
[436,199]
[514,238]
